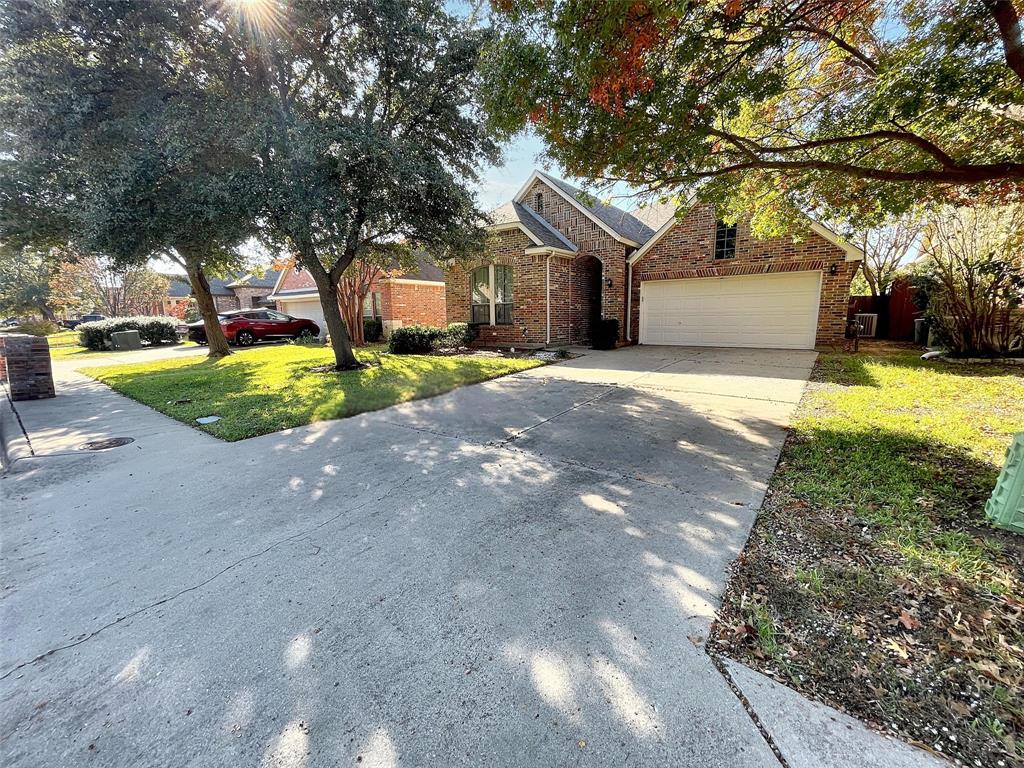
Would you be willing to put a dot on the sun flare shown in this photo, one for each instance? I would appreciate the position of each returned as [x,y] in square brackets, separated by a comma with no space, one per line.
[262,17]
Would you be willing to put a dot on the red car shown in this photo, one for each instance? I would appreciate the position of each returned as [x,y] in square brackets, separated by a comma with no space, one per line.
[245,327]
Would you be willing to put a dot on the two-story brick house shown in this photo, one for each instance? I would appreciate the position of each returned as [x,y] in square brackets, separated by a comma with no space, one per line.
[558,259]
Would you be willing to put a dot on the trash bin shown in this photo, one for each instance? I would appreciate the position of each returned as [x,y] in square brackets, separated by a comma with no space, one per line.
[1005,509]
[125,340]
[920,331]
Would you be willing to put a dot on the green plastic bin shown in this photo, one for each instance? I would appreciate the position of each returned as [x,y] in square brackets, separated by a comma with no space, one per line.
[1006,507]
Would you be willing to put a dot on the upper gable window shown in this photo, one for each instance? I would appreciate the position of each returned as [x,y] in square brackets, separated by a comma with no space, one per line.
[725,240]
[538,202]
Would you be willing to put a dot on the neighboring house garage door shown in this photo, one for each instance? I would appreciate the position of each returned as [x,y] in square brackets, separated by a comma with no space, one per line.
[769,311]
[307,309]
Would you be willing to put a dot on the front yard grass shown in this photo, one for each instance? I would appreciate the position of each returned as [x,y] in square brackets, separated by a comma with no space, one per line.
[266,389]
[871,579]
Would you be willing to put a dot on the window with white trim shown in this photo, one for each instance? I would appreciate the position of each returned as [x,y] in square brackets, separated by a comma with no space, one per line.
[491,299]
[538,202]
[371,305]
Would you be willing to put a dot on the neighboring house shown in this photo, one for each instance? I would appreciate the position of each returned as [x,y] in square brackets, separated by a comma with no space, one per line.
[416,297]
[558,260]
[234,292]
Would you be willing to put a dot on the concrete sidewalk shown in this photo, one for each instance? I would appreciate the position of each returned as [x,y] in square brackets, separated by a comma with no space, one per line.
[516,573]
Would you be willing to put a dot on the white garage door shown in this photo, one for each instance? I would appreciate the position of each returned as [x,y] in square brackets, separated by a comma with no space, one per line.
[766,311]
[307,309]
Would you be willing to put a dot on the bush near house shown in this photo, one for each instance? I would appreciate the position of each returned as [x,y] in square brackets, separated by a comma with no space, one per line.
[153,330]
[424,339]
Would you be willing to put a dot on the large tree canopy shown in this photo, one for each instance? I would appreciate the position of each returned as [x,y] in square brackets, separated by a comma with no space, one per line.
[371,132]
[854,108]
[125,133]
[25,282]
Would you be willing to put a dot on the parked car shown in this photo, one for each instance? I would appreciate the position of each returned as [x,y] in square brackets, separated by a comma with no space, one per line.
[245,327]
[91,318]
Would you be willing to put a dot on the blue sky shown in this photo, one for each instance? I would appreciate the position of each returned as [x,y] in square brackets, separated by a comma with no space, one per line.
[523,155]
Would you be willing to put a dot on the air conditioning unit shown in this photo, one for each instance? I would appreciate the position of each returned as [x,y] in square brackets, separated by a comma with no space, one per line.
[868,324]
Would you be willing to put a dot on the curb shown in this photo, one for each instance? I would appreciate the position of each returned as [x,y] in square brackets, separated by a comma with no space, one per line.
[14,442]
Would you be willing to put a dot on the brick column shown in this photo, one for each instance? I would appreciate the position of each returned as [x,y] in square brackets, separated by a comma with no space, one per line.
[25,366]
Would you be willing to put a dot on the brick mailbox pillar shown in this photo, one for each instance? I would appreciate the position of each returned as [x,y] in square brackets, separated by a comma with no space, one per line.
[25,366]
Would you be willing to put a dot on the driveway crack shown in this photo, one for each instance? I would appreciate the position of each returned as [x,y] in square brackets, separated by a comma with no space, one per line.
[748,708]
[255,555]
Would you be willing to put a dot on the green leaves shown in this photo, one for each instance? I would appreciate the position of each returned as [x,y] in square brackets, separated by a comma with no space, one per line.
[854,112]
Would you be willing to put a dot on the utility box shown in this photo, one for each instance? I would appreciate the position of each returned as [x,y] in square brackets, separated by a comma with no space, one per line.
[1005,509]
[868,324]
[123,341]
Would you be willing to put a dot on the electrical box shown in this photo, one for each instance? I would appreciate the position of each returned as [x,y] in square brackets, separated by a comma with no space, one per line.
[1005,509]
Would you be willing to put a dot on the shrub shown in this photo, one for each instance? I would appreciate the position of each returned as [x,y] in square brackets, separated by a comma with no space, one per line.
[373,329]
[413,339]
[424,339]
[454,336]
[37,328]
[153,330]
[604,333]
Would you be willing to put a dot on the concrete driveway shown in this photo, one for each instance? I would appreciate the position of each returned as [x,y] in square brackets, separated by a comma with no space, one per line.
[516,573]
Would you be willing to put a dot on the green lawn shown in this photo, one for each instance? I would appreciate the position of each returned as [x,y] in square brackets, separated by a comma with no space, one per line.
[871,579]
[265,389]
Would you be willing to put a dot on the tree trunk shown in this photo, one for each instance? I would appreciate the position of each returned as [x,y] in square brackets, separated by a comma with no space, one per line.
[352,314]
[215,338]
[344,357]
[47,313]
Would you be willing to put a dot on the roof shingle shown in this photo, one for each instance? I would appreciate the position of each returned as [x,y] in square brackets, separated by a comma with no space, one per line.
[513,212]
[621,222]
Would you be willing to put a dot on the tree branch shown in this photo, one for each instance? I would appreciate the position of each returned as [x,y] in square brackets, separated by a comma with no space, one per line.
[904,136]
[865,61]
[969,174]
[1008,22]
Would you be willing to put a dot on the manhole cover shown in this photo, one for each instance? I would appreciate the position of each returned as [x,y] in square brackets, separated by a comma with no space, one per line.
[110,442]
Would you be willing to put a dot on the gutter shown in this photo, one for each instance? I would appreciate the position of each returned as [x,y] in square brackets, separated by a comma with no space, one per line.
[547,281]
[629,300]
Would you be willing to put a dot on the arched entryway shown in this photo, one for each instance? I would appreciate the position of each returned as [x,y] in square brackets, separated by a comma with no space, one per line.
[585,306]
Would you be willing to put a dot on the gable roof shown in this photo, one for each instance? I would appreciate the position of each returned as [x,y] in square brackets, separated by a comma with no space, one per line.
[620,224]
[264,279]
[425,270]
[513,215]
[179,287]
[656,214]
[853,253]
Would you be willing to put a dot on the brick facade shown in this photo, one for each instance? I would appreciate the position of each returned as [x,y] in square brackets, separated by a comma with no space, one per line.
[578,283]
[251,297]
[591,240]
[403,301]
[687,251]
[409,302]
[25,366]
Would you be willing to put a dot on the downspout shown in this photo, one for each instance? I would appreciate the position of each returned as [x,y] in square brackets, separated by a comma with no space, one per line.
[629,300]
[547,285]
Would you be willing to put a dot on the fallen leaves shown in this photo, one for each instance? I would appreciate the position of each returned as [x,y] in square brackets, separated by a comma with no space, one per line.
[908,621]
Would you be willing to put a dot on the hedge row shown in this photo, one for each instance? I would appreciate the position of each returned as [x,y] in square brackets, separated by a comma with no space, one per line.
[424,339]
[154,330]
